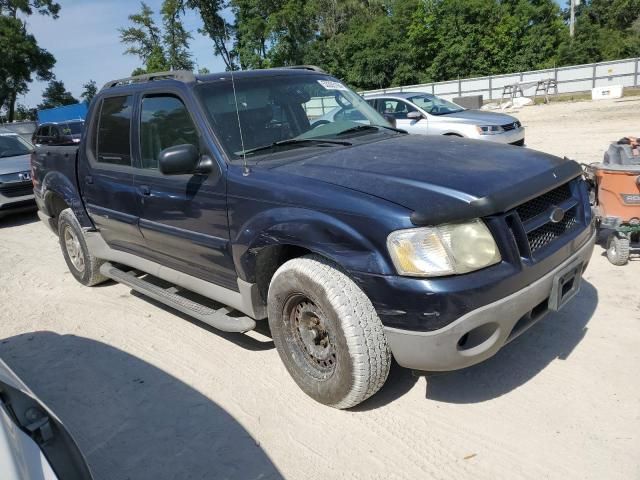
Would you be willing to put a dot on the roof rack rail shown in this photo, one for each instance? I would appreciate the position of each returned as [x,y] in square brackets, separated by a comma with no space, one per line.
[179,75]
[303,67]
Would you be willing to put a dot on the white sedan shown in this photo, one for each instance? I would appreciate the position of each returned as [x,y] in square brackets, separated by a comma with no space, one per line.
[427,114]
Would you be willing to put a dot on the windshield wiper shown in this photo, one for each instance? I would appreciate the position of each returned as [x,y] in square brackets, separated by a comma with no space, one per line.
[358,128]
[362,128]
[294,141]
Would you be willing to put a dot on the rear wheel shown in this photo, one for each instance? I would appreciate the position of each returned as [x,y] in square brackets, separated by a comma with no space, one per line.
[327,332]
[83,266]
[618,249]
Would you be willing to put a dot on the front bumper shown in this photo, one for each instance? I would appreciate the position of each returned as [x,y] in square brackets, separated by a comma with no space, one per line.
[512,137]
[16,197]
[480,333]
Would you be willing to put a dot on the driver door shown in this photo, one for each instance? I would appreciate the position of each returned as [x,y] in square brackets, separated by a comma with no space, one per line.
[183,218]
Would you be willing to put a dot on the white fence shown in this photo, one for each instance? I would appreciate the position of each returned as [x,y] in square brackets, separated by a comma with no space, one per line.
[577,78]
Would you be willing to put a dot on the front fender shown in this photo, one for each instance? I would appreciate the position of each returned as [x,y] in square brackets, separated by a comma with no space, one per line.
[321,233]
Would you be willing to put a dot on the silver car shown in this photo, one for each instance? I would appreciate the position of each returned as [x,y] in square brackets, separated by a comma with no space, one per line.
[16,189]
[427,114]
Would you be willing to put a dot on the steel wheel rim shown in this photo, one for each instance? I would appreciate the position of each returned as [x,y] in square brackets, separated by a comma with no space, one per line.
[311,337]
[74,250]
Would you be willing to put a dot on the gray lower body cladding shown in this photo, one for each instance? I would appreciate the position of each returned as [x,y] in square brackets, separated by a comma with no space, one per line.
[480,333]
[246,300]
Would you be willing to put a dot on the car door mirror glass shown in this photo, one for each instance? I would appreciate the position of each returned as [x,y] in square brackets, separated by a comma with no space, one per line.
[179,160]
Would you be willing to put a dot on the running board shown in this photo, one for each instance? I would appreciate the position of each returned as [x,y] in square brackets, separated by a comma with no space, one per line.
[219,318]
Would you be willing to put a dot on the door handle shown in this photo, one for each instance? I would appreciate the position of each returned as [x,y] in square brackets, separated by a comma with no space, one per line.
[145,190]
[88,179]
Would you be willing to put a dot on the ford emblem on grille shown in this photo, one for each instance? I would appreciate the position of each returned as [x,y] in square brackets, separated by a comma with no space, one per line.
[556,215]
[24,176]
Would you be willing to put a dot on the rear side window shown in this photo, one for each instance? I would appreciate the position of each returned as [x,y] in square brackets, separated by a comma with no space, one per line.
[165,122]
[113,144]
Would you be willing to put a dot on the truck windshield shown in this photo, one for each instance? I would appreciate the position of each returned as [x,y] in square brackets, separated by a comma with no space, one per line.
[273,110]
[13,145]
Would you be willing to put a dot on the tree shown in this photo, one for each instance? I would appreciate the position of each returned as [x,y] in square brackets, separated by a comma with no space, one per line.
[56,95]
[24,113]
[176,39]
[22,58]
[459,38]
[11,8]
[159,51]
[89,91]
[605,30]
[216,28]
[273,33]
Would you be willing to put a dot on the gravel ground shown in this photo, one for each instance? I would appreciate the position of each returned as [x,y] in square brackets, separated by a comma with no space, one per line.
[150,394]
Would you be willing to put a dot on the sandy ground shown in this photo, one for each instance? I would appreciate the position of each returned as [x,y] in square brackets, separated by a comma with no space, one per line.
[152,395]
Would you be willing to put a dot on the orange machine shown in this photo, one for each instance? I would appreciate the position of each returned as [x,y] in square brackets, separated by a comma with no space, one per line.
[615,197]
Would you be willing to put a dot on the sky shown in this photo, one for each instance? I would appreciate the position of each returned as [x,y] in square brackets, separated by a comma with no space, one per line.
[86,44]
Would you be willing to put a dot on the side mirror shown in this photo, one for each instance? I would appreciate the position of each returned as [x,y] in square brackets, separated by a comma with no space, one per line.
[415,115]
[391,119]
[179,160]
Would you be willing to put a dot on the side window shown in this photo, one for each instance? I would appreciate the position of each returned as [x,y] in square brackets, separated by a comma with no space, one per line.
[396,108]
[164,122]
[113,144]
[44,131]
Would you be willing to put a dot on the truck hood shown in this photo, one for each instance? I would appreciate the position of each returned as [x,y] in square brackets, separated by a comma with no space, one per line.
[477,117]
[21,163]
[440,179]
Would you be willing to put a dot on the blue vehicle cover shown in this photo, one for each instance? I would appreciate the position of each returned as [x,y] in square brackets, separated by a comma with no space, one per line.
[67,113]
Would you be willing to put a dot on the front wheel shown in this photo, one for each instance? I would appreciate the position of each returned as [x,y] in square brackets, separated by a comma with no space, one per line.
[327,332]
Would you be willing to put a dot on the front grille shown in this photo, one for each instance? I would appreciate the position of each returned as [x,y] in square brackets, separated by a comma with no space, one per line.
[541,204]
[510,126]
[17,189]
[532,224]
[549,232]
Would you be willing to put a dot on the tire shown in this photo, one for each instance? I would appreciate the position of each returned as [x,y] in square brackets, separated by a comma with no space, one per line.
[83,266]
[327,332]
[618,249]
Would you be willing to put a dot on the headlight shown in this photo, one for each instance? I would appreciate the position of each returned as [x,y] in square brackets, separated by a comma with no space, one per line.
[444,250]
[489,129]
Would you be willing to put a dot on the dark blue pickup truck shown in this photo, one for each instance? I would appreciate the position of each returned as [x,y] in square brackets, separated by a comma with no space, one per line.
[226,197]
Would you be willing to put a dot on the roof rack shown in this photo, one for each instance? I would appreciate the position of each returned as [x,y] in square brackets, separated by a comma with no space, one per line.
[179,75]
[303,67]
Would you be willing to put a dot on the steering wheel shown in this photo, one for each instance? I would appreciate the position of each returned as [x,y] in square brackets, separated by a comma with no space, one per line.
[317,123]
[435,109]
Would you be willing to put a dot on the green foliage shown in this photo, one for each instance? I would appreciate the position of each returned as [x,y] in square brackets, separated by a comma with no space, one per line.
[24,113]
[605,30]
[89,91]
[215,27]
[382,43]
[29,7]
[159,51]
[22,59]
[56,95]
[176,38]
